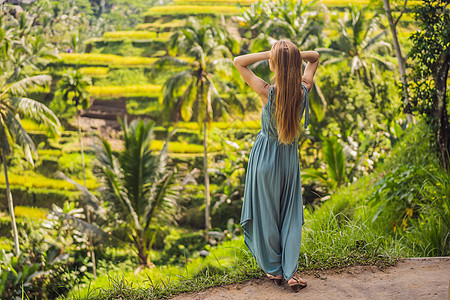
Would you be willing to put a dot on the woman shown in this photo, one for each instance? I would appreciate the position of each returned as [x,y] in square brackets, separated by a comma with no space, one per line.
[272,213]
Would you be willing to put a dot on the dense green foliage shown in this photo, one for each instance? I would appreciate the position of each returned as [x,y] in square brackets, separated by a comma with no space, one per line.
[373,186]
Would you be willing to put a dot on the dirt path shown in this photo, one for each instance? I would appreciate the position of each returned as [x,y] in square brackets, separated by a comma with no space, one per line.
[413,278]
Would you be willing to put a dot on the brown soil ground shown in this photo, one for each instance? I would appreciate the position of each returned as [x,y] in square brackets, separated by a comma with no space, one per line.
[412,278]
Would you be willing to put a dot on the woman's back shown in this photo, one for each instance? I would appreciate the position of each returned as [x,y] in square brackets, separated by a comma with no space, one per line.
[270,127]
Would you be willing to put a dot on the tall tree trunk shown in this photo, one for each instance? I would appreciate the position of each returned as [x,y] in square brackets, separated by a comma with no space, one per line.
[11,206]
[81,148]
[88,215]
[401,61]
[140,243]
[205,154]
[91,244]
[440,74]
[205,171]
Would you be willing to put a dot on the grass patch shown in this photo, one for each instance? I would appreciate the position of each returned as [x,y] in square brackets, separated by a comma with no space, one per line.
[105,59]
[326,244]
[192,10]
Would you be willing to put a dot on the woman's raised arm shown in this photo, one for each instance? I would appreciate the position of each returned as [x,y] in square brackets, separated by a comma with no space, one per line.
[312,57]
[256,83]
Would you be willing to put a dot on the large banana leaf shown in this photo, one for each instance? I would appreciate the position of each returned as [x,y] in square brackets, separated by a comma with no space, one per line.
[334,157]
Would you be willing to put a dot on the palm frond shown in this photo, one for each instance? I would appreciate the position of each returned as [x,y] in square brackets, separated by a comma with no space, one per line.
[88,197]
[20,87]
[385,63]
[19,134]
[39,113]
[166,60]
[96,234]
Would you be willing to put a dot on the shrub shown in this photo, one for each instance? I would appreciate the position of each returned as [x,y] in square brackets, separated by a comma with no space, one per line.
[429,235]
[177,250]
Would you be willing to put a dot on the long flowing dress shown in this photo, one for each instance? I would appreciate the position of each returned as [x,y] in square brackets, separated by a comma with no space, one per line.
[272,212]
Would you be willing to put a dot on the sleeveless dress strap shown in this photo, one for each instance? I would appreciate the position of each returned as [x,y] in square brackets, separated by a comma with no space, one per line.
[305,105]
[269,107]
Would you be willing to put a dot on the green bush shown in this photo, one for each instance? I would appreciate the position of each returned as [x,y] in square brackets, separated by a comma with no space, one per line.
[429,235]
[416,148]
[407,197]
[177,250]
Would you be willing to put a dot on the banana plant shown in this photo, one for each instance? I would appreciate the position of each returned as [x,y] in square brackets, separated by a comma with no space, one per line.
[335,174]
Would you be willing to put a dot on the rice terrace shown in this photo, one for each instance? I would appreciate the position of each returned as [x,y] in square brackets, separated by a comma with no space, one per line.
[130,134]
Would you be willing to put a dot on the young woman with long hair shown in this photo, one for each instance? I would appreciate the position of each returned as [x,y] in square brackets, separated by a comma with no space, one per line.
[272,212]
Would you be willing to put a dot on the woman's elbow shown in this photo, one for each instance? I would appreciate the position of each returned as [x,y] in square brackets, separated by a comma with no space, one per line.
[317,55]
[236,61]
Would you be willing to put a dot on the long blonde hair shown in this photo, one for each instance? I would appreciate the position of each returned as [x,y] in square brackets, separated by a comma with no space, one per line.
[287,64]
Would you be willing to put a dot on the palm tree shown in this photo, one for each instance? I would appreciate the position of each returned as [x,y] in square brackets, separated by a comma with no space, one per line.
[196,87]
[12,106]
[139,185]
[73,86]
[358,43]
[20,53]
[138,190]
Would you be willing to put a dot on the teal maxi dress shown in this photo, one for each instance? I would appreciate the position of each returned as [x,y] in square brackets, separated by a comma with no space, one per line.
[272,212]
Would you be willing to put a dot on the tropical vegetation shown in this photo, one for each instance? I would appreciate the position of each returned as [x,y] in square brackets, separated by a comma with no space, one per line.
[126,133]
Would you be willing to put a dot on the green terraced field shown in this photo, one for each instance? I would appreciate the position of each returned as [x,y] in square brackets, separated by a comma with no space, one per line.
[148,90]
[35,180]
[142,107]
[105,59]
[136,35]
[94,71]
[161,25]
[222,125]
[192,10]
[214,2]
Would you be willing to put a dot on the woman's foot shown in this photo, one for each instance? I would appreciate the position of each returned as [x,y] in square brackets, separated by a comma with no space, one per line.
[277,279]
[297,283]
